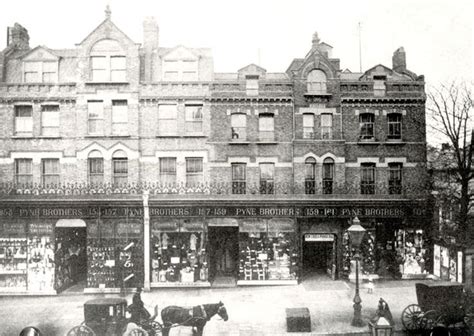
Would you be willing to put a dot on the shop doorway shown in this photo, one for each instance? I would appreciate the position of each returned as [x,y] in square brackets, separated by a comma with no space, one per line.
[70,256]
[224,253]
[319,256]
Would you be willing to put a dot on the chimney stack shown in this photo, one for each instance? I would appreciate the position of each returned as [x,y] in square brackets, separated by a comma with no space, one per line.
[399,63]
[18,36]
[150,33]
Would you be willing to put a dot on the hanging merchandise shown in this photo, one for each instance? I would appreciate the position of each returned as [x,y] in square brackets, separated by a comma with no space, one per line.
[411,252]
[366,253]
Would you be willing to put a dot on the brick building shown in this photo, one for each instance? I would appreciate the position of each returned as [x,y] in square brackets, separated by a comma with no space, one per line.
[126,164]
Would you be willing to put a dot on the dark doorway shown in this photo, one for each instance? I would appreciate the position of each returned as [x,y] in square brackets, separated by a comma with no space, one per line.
[318,258]
[70,258]
[224,251]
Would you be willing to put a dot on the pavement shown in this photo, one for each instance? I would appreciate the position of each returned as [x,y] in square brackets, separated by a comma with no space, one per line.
[257,310]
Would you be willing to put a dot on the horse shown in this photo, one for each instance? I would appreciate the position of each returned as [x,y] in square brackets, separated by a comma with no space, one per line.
[195,317]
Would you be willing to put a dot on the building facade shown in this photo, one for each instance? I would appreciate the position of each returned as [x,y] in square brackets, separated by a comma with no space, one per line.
[126,164]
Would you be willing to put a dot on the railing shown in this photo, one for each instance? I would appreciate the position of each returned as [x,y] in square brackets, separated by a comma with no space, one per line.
[216,188]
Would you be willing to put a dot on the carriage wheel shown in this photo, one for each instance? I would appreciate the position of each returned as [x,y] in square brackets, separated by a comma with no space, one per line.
[411,317]
[469,317]
[81,330]
[429,320]
[137,332]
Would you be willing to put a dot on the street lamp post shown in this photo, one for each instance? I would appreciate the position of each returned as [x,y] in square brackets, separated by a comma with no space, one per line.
[356,233]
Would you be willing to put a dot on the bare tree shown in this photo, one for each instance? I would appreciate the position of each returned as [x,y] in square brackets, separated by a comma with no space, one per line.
[451,109]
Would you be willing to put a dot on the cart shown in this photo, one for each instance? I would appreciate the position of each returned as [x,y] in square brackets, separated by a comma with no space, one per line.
[106,317]
[439,303]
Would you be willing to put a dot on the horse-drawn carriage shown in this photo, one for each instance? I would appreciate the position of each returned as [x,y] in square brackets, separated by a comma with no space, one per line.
[107,317]
[439,303]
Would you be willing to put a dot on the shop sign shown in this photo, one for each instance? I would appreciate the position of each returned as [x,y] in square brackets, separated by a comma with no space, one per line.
[41,229]
[128,230]
[281,225]
[437,261]
[460,266]
[106,229]
[165,226]
[319,237]
[253,226]
[14,229]
[65,212]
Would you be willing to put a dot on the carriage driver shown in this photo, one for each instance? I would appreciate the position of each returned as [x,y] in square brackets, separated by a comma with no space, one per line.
[139,314]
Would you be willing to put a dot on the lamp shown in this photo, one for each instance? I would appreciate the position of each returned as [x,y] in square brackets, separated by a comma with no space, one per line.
[380,327]
[356,234]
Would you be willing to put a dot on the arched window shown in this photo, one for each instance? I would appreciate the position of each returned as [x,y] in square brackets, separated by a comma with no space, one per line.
[108,62]
[119,168]
[328,175]
[95,167]
[310,175]
[316,81]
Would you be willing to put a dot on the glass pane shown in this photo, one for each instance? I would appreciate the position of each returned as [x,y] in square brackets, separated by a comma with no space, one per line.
[189,65]
[118,75]
[193,112]
[23,111]
[32,77]
[266,171]
[119,111]
[167,127]
[326,120]
[50,116]
[96,166]
[23,166]
[50,67]
[189,76]
[99,75]
[308,120]
[32,66]
[238,120]
[49,77]
[168,165]
[120,166]
[99,62]
[167,111]
[309,171]
[171,75]
[265,123]
[238,172]
[118,63]
[50,166]
[95,109]
[194,165]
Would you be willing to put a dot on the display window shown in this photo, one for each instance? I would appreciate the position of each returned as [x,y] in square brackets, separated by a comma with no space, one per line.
[26,257]
[114,254]
[179,252]
[410,250]
[267,250]
[367,252]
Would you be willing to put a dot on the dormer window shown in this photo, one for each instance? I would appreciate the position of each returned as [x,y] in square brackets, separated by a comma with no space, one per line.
[180,70]
[108,62]
[316,81]
[379,85]
[251,85]
[40,71]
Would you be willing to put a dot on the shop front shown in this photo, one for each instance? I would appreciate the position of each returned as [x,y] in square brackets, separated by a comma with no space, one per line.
[448,262]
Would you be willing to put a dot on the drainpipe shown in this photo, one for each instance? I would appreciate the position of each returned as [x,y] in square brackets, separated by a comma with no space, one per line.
[146,241]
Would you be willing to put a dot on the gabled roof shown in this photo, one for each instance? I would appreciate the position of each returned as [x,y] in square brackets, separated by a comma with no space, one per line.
[252,68]
[107,23]
[37,52]
[180,49]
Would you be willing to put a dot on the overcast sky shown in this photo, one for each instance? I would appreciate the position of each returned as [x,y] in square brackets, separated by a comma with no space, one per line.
[437,34]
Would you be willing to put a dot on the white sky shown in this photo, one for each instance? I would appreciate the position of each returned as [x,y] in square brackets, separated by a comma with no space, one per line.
[437,34]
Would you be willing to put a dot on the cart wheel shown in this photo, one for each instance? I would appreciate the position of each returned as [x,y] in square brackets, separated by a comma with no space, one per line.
[81,330]
[411,317]
[137,332]
[469,317]
[429,320]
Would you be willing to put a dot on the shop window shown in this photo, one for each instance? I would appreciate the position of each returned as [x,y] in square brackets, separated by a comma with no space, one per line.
[193,115]
[194,171]
[167,120]
[40,72]
[394,121]
[168,171]
[119,168]
[328,176]
[50,172]
[251,85]
[310,176]
[366,126]
[50,120]
[395,178]
[95,163]
[316,81]
[326,126]
[95,122]
[267,175]
[308,126]
[24,172]
[266,127]
[238,123]
[23,120]
[411,247]
[119,117]
[239,178]
[367,179]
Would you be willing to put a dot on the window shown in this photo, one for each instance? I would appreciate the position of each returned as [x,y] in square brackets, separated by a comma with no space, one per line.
[168,171]
[379,85]
[120,168]
[180,70]
[23,172]
[367,180]
[189,68]
[109,68]
[99,68]
[251,85]
[266,127]
[328,175]
[167,120]
[239,178]
[238,123]
[40,72]
[316,82]
[95,124]
[50,172]
[95,164]
[118,69]
[267,173]
[119,117]
[194,172]
[394,121]
[310,176]
[395,178]
[308,126]
[50,120]
[366,124]
[23,120]
[193,115]
[326,126]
